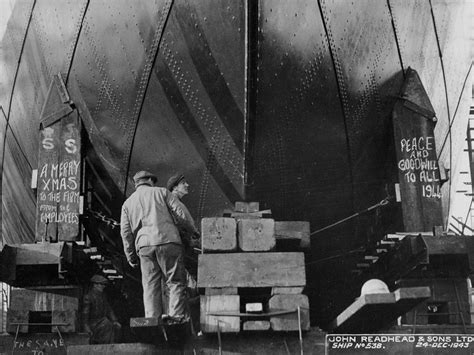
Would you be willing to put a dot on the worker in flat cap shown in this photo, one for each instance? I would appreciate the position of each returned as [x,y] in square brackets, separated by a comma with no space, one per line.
[151,238]
[179,187]
[98,317]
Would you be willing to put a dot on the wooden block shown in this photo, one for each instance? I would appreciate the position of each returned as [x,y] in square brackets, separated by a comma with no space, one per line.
[140,322]
[293,230]
[251,270]
[256,307]
[17,316]
[256,325]
[289,322]
[256,234]
[286,290]
[251,215]
[69,317]
[216,304]
[221,291]
[246,206]
[219,234]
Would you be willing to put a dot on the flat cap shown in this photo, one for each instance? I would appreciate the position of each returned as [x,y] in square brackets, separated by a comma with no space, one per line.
[143,175]
[174,181]
[99,279]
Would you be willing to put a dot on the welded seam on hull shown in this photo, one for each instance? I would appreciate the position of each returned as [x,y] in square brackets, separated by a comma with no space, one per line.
[394,27]
[146,76]
[16,140]
[251,93]
[189,124]
[211,76]
[77,36]
[9,110]
[447,106]
[341,94]
[18,65]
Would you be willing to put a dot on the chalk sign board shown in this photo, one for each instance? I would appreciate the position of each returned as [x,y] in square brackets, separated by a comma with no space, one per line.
[59,178]
[39,344]
[417,161]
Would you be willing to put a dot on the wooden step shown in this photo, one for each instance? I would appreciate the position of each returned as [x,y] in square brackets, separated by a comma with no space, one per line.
[246,207]
[251,270]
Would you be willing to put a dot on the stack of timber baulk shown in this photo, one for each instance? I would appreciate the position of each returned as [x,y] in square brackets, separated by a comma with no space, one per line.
[249,284]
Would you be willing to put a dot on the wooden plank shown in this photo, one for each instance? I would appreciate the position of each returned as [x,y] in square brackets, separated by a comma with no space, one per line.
[144,322]
[219,234]
[293,230]
[225,303]
[59,171]
[251,270]
[70,160]
[289,322]
[258,214]
[287,290]
[373,312]
[221,291]
[119,349]
[41,300]
[256,234]
[246,206]
[256,325]
[17,316]
[29,257]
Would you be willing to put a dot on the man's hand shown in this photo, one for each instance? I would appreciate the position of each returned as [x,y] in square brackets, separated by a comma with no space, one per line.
[133,263]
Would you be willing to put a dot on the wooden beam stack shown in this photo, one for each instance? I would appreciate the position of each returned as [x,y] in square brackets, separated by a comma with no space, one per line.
[250,283]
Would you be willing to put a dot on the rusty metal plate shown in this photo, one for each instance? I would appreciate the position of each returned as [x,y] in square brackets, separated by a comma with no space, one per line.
[48,49]
[192,118]
[18,199]
[112,65]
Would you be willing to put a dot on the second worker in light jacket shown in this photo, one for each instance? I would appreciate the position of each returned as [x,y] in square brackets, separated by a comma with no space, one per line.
[151,238]
[179,187]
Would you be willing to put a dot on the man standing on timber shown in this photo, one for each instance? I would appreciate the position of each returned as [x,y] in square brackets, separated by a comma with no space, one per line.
[148,229]
[179,187]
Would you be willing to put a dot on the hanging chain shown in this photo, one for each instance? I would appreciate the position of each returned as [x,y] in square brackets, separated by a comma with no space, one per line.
[100,216]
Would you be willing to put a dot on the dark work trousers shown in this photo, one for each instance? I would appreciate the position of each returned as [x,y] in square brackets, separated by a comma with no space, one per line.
[163,262]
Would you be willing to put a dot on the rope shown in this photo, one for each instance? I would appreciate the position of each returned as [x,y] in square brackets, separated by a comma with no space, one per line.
[384,202]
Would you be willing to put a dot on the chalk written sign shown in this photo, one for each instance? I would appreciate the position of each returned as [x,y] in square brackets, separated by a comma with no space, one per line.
[419,165]
[59,173]
[39,344]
